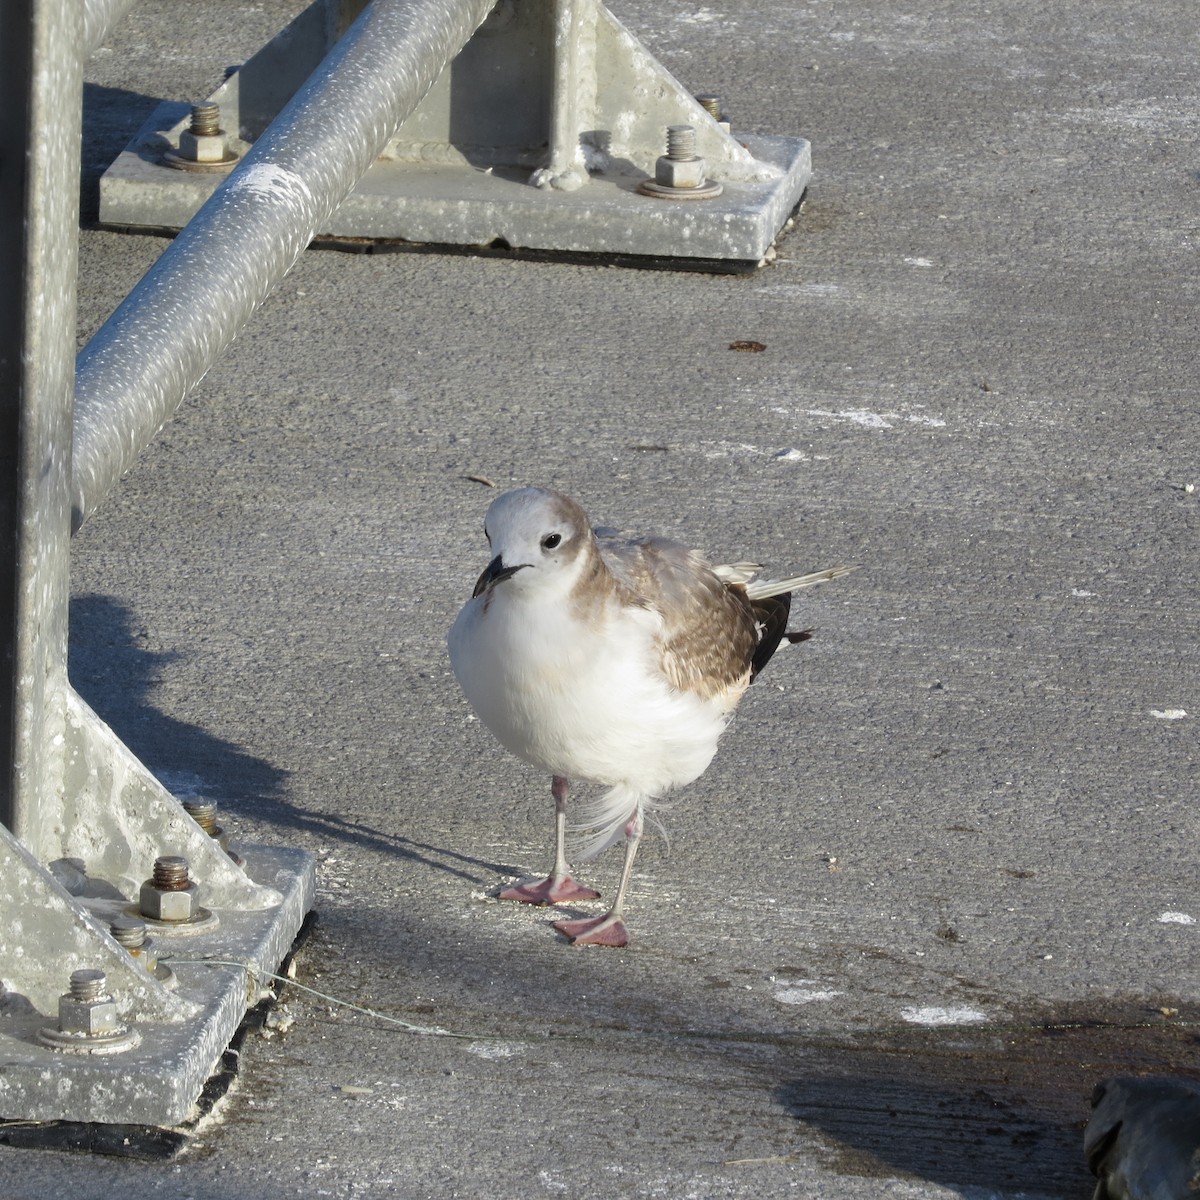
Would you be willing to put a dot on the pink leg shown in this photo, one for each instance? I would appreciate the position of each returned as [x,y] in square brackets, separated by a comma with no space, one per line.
[558,887]
[609,930]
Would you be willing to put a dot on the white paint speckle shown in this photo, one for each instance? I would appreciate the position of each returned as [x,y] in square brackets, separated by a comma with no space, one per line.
[936,1015]
[1081,593]
[1177,918]
[703,16]
[1169,714]
[728,450]
[495,1050]
[919,262]
[874,420]
[804,995]
[857,416]
[803,289]
[1143,115]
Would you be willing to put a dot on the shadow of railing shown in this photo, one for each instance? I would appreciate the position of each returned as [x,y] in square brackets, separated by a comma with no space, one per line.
[111,117]
[116,674]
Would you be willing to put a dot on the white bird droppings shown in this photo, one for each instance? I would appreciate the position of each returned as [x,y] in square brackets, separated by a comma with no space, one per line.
[1169,714]
[1177,918]
[936,1015]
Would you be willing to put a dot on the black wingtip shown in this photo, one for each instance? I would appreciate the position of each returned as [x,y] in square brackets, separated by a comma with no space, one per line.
[771,612]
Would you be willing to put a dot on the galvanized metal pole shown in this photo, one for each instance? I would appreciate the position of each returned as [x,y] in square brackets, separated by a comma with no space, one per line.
[41,89]
[99,16]
[81,816]
[573,95]
[136,370]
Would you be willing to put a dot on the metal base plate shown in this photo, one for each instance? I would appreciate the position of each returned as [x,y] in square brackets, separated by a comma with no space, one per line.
[157,1081]
[464,206]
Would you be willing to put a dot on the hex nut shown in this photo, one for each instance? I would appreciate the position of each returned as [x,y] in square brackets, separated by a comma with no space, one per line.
[202,147]
[89,1017]
[679,173]
[146,954]
[160,905]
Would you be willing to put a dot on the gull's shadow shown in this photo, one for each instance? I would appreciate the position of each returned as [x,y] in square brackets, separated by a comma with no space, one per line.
[113,670]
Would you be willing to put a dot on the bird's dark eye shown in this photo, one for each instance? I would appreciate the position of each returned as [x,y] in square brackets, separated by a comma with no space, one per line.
[551,540]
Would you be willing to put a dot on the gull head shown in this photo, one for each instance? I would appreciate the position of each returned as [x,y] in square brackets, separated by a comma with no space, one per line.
[538,540]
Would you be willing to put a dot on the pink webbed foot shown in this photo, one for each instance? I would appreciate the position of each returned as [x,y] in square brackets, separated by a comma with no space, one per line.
[595,931]
[560,889]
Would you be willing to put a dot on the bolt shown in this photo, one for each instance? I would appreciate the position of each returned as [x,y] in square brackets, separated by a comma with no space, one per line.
[87,984]
[171,873]
[87,1009]
[679,174]
[169,895]
[202,144]
[203,812]
[714,105]
[206,120]
[129,932]
[88,1022]
[681,143]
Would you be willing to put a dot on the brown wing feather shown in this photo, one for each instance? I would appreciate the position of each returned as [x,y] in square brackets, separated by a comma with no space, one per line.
[711,635]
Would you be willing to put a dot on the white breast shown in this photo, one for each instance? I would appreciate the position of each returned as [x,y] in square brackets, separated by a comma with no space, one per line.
[585,701]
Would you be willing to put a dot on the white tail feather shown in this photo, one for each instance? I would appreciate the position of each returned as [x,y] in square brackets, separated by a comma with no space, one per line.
[738,572]
[760,589]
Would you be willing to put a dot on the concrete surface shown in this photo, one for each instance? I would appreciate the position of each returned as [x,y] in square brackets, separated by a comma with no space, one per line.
[961,801]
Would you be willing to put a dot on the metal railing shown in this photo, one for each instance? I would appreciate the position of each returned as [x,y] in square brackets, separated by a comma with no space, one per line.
[70,792]
[90,840]
[194,300]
